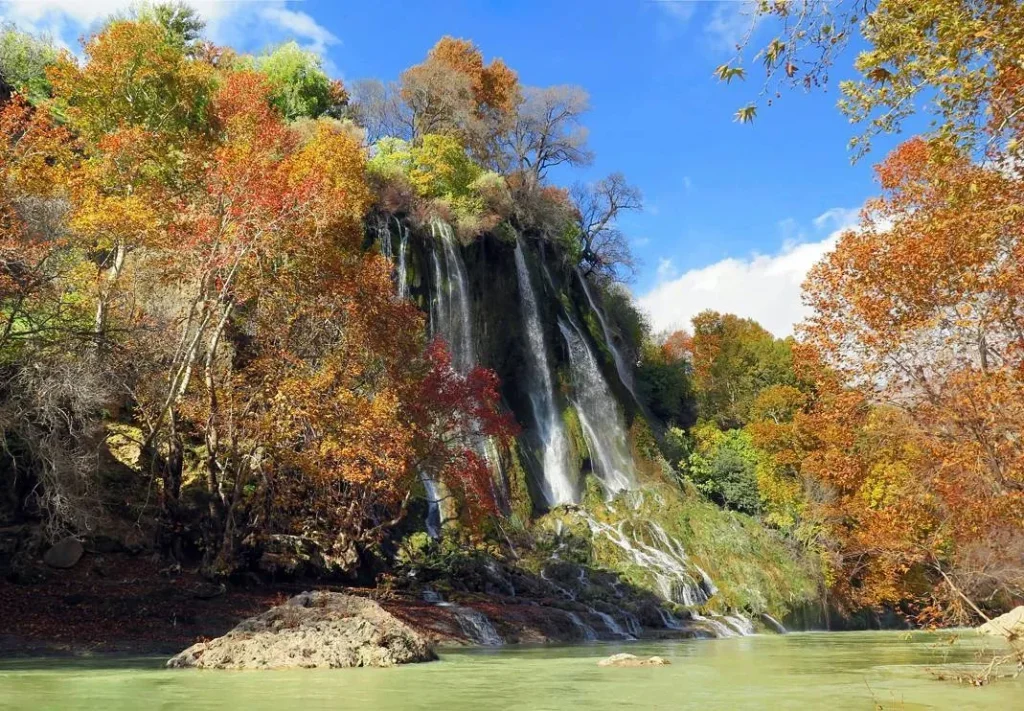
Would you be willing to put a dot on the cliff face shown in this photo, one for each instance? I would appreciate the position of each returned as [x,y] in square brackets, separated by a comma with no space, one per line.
[507,302]
[586,478]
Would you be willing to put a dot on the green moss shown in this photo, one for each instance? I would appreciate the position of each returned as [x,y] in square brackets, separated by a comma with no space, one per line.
[519,490]
[574,432]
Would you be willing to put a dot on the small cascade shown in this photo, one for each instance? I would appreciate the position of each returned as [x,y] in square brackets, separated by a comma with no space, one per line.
[434,519]
[633,625]
[669,621]
[719,628]
[476,625]
[557,486]
[600,418]
[668,564]
[611,625]
[621,366]
[741,624]
[587,633]
[403,250]
[777,626]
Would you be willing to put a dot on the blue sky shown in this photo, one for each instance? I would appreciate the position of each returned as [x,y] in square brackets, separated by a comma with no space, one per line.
[731,211]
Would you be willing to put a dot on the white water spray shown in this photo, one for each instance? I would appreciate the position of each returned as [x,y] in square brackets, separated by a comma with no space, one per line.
[557,485]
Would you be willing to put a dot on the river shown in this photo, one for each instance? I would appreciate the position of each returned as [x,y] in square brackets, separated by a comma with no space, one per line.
[850,670]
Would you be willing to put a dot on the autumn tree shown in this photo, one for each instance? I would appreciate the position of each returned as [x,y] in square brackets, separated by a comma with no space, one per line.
[23,62]
[957,60]
[733,360]
[300,86]
[920,309]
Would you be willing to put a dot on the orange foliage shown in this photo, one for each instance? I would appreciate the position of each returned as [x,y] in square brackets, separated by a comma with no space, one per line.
[921,309]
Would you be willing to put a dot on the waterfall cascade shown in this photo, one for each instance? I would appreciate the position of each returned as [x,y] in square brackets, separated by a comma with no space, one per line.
[558,485]
[435,521]
[621,367]
[586,631]
[612,625]
[599,415]
[403,251]
[454,315]
[667,562]
[476,625]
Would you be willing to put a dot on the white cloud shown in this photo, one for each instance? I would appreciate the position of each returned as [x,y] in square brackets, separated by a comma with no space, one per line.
[302,26]
[764,287]
[678,10]
[838,217]
[246,24]
[666,270]
[730,23]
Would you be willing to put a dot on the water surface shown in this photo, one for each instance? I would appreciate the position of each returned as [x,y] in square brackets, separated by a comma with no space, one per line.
[852,670]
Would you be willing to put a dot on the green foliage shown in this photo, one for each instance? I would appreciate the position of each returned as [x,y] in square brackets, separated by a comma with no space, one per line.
[23,62]
[441,168]
[182,25]
[734,360]
[300,85]
[724,465]
[666,386]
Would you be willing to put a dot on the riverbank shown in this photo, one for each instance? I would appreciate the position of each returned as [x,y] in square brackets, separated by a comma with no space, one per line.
[119,604]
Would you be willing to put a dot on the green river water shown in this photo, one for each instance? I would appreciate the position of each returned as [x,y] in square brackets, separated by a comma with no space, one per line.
[850,670]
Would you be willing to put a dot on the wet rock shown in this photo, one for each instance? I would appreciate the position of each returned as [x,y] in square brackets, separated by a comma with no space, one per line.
[773,624]
[314,629]
[64,554]
[631,660]
[1010,625]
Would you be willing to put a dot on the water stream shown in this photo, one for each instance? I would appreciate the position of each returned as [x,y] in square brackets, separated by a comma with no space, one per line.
[599,415]
[621,366]
[557,485]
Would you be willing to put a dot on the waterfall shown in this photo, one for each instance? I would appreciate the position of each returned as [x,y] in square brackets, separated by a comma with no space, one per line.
[739,623]
[451,318]
[557,485]
[720,629]
[434,520]
[777,626]
[621,367]
[586,631]
[669,621]
[477,626]
[614,627]
[403,249]
[454,300]
[599,414]
[668,564]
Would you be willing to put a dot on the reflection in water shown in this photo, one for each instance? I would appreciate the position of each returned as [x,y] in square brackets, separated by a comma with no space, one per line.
[852,670]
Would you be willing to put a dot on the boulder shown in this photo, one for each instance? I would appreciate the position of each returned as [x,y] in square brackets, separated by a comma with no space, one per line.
[314,629]
[631,660]
[64,554]
[1010,625]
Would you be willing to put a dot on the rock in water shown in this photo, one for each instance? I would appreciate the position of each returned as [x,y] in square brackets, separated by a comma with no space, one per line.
[631,660]
[314,629]
[1010,625]
[64,553]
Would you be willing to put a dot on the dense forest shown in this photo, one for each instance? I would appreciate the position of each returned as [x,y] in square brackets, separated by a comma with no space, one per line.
[244,303]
